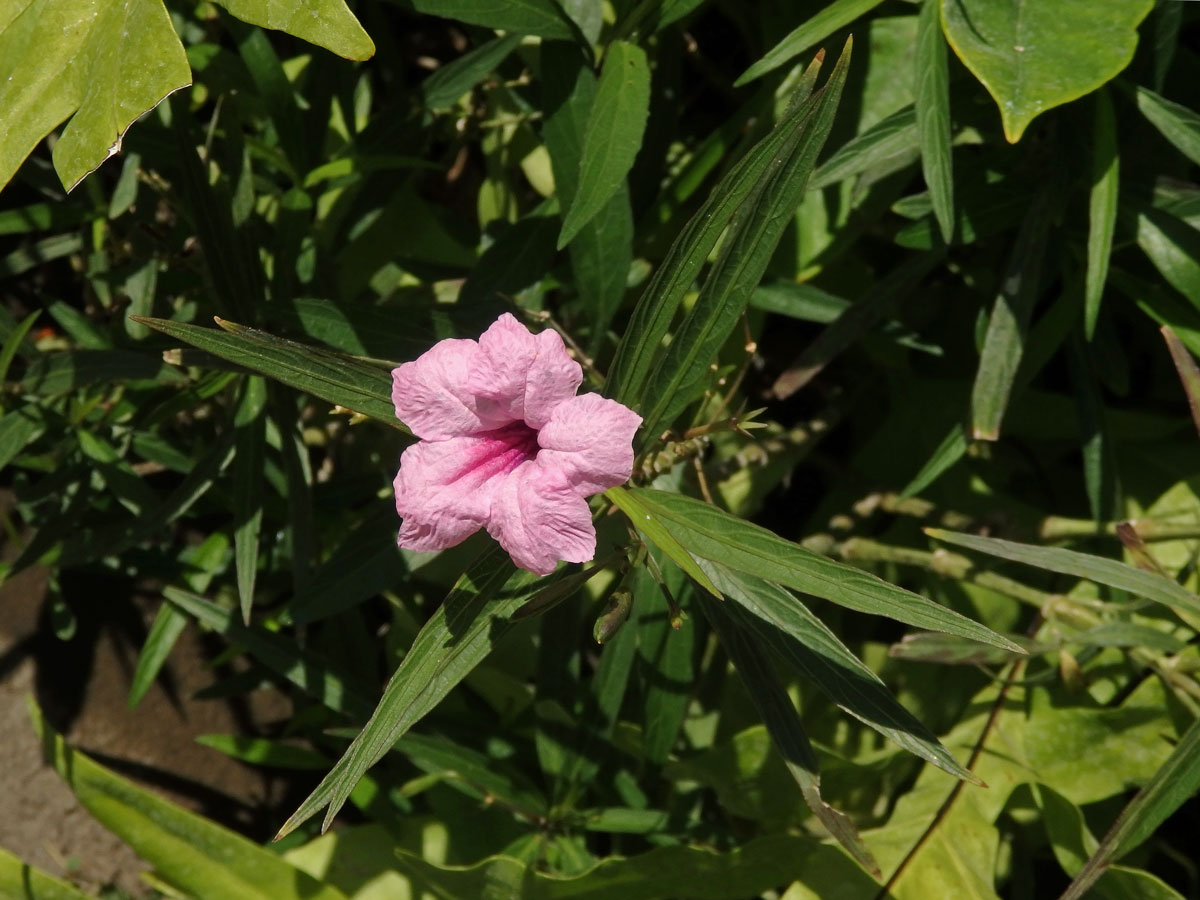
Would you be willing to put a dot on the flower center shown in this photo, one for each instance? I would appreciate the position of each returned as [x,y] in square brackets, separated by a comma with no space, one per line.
[497,452]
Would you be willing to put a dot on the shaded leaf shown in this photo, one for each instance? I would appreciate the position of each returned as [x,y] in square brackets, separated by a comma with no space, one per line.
[1102,207]
[833,16]
[933,116]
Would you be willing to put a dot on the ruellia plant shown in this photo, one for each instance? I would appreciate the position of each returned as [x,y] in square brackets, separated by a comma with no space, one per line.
[611,425]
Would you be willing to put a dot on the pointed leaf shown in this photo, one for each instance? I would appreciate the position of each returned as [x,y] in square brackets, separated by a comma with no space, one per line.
[1189,372]
[832,16]
[629,502]
[933,116]
[1177,123]
[250,424]
[543,18]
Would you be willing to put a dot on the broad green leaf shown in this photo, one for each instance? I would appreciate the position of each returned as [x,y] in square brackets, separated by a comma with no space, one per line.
[326,23]
[648,524]
[832,16]
[933,116]
[718,536]
[339,379]
[785,625]
[250,424]
[1102,207]
[458,636]
[786,729]
[543,18]
[454,79]
[1081,565]
[683,372]
[652,317]
[678,871]
[1008,324]
[21,881]
[1033,55]
[104,63]
[613,135]
[1172,785]
[895,137]
[1177,123]
[193,855]
[1189,372]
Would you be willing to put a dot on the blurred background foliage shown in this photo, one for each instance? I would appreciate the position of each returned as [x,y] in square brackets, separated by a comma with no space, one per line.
[958,330]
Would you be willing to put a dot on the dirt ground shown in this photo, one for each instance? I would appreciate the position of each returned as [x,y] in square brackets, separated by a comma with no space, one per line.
[83,687]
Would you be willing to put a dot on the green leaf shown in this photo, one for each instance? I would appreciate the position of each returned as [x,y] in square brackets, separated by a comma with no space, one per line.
[832,16]
[1177,123]
[674,276]
[164,632]
[1174,247]
[250,424]
[103,63]
[18,429]
[613,135]
[933,116]
[195,856]
[1102,207]
[784,624]
[1176,782]
[666,655]
[543,18]
[326,23]
[20,881]
[12,343]
[1081,565]
[459,635]
[1185,365]
[484,778]
[1033,55]
[683,372]
[718,536]
[451,81]
[786,730]
[895,137]
[629,502]
[1004,342]
[58,373]
[330,376]
[952,448]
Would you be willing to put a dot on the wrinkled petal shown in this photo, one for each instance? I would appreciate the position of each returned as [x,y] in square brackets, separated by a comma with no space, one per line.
[539,518]
[445,489]
[432,397]
[589,440]
[519,375]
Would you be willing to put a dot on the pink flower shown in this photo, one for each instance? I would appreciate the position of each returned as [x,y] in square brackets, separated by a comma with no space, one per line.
[506,445]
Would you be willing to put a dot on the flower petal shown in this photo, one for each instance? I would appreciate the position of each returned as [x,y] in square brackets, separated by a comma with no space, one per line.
[445,489]
[522,375]
[431,395]
[589,439]
[540,519]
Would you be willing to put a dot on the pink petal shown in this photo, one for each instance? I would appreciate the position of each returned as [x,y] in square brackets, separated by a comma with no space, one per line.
[445,489]
[589,440]
[431,395]
[520,375]
[540,519]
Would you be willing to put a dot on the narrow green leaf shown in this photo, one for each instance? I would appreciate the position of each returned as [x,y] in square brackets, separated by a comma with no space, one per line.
[674,276]
[42,217]
[459,635]
[484,778]
[18,429]
[1177,123]
[1174,247]
[1099,464]
[716,535]
[1081,565]
[250,424]
[13,342]
[330,376]
[520,258]
[855,321]
[666,659]
[21,881]
[164,632]
[264,752]
[786,625]
[1102,207]
[629,502]
[683,372]
[832,16]
[952,448]
[1005,339]
[786,730]
[58,373]
[197,857]
[77,326]
[1176,782]
[543,18]
[933,115]
[613,135]
[451,81]
[1033,56]
[894,137]
[1189,373]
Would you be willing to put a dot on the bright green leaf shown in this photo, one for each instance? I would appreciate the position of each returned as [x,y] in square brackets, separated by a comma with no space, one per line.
[326,23]
[20,881]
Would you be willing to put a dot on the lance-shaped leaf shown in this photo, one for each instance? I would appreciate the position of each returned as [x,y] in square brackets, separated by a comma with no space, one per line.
[1177,123]
[543,18]
[1033,55]
[459,635]
[613,135]
[933,116]
[831,17]
[649,526]
[675,274]
[19,881]
[714,534]
[339,379]
[1189,372]
[895,137]
[1102,207]
[249,421]
[1082,565]
[683,372]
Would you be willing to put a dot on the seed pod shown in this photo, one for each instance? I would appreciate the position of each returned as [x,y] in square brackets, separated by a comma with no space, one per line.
[616,611]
